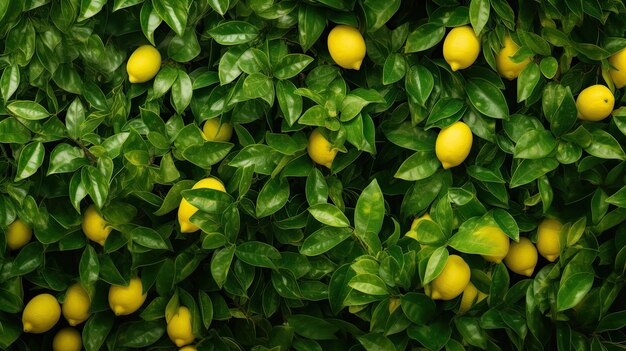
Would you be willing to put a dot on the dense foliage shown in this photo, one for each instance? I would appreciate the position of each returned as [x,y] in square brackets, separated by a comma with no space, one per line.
[296,255]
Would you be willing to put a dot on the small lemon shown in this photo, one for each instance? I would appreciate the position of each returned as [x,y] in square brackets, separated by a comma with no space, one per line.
[320,150]
[497,239]
[505,66]
[452,280]
[461,47]
[214,131]
[346,46]
[522,257]
[469,297]
[595,103]
[67,339]
[41,313]
[18,234]
[144,63]
[549,238]
[94,226]
[186,210]
[453,144]
[618,72]
[188,348]
[411,233]
[179,327]
[76,305]
[125,300]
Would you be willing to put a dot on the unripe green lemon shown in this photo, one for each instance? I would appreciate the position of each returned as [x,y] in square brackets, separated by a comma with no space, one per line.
[67,339]
[144,63]
[549,239]
[522,257]
[179,327]
[41,313]
[186,210]
[94,226]
[461,47]
[125,300]
[76,305]
[595,103]
[214,131]
[18,234]
[453,144]
[346,46]
[452,280]
[321,150]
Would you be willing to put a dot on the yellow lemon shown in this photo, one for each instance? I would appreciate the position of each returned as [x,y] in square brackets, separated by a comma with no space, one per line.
[125,300]
[618,72]
[186,210]
[469,297]
[144,63]
[188,348]
[453,144]
[549,238]
[94,226]
[179,327]
[18,234]
[497,239]
[320,150]
[595,103]
[411,233]
[452,280]
[505,66]
[76,305]
[461,47]
[67,339]
[41,313]
[522,257]
[346,46]
[214,131]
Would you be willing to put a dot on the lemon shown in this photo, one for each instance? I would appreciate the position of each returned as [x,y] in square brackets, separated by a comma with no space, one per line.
[18,234]
[452,280]
[41,313]
[618,72]
[125,300]
[469,297]
[188,348]
[497,239]
[67,339]
[214,131]
[505,66]
[595,103]
[186,210]
[144,63]
[549,238]
[522,257]
[461,47]
[94,226]
[320,150]
[346,46]
[179,327]
[453,144]
[76,305]
[411,233]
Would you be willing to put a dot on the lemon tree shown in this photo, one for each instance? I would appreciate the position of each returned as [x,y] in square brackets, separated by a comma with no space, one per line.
[312,175]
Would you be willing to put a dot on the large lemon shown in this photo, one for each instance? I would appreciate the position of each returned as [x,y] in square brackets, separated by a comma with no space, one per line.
[595,103]
[549,238]
[186,210]
[67,339]
[453,144]
[76,305]
[144,63]
[505,66]
[41,313]
[618,72]
[214,131]
[188,348]
[498,240]
[452,280]
[179,327]
[321,150]
[469,297]
[125,300]
[18,234]
[94,226]
[346,46]
[522,257]
[461,47]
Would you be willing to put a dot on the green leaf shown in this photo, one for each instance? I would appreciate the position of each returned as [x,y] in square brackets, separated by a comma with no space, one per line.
[290,65]
[479,14]
[316,190]
[377,13]
[324,240]
[473,239]
[417,307]
[354,102]
[220,264]
[527,81]
[368,284]
[549,66]
[420,165]
[220,6]
[535,144]
[604,145]
[31,158]
[612,321]
[181,91]
[487,98]
[618,198]
[234,32]
[258,254]
[140,334]
[369,215]
[207,154]
[394,69]
[272,197]
[10,81]
[329,214]
[96,330]
[174,13]
[149,238]
[65,158]
[89,8]
[184,48]
[29,110]
[376,342]
[409,137]
[28,259]
[424,37]
[89,269]
[95,184]
[573,288]
[529,170]
[436,264]
[289,102]
[12,131]
[311,327]
[311,24]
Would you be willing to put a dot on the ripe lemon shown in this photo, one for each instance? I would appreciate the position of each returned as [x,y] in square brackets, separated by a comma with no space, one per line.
[618,73]
[125,300]
[186,210]
[522,257]
[452,280]
[18,234]
[67,339]
[188,348]
[94,226]
[469,297]
[595,103]
[41,314]
[320,150]
[453,144]
[76,305]
[505,66]
[461,47]
[549,238]
[497,239]
[411,233]
[144,63]
[214,131]
[346,46]
[179,327]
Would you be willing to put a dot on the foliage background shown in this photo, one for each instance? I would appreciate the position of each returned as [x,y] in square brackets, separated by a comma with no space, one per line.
[298,256]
